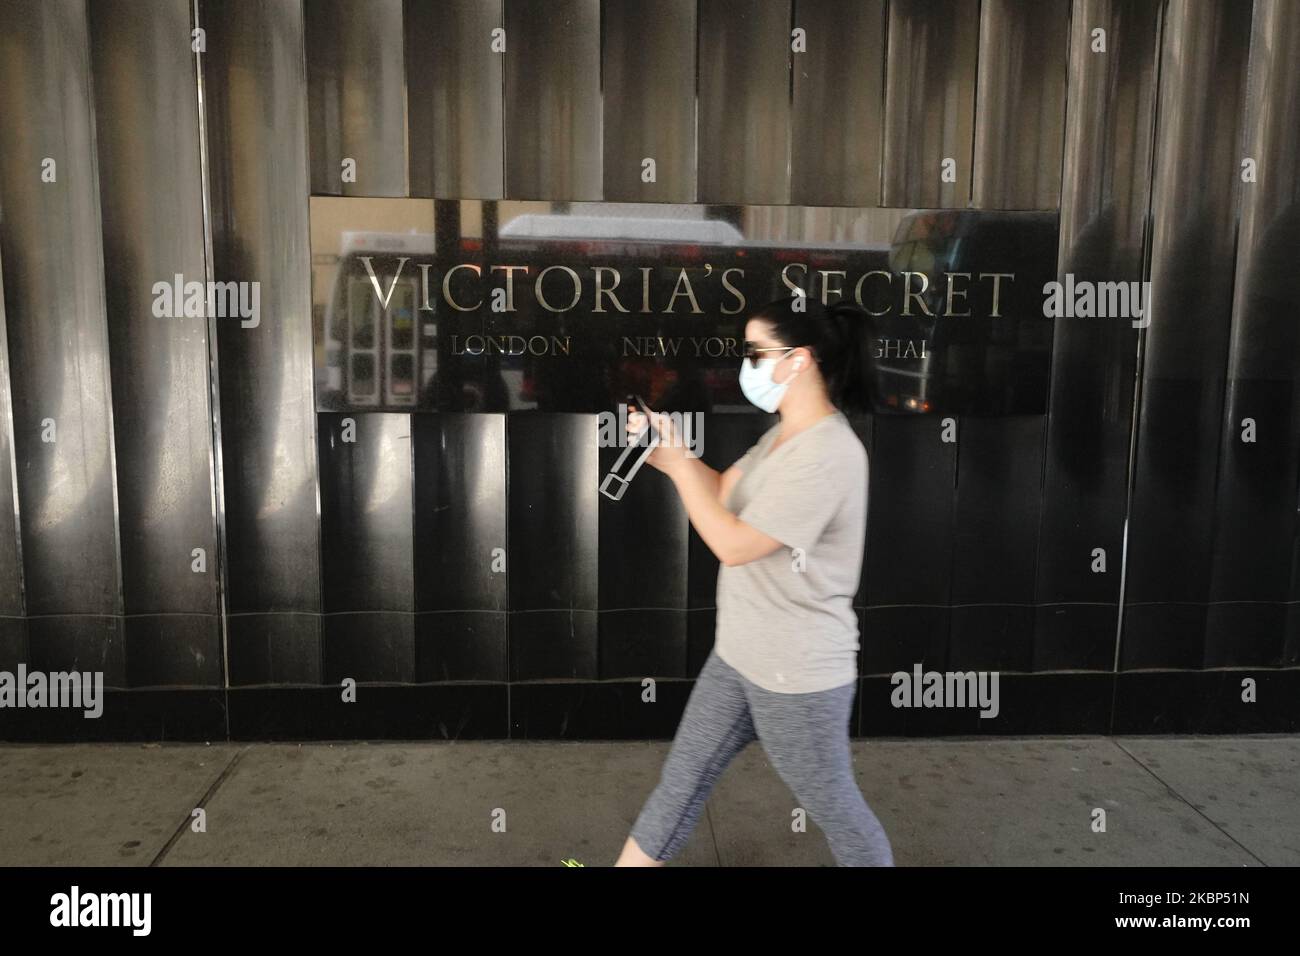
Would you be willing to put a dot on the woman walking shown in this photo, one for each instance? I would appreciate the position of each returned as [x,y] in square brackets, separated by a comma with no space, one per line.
[788,524]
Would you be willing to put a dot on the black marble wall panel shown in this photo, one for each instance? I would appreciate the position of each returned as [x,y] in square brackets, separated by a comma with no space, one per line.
[1250,621]
[54,289]
[995,543]
[366,548]
[909,545]
[462,566]
[151,204]
[1194,217]
[643,565]
[1108,136]
[553,533]
[254,78]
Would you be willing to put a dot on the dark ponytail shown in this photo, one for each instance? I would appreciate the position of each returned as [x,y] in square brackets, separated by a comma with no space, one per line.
[842,338]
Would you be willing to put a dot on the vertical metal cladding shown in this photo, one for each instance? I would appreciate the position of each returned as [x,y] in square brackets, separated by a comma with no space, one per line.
[744,101]
[58,339]
[1194,223]
[454,98]
[648,64]
[1255,513]
[553,528]
[1108,136]
[462,567]
[643,563]
[356,81]
[151,201]
[930,102]
[367,553]
[473,547]
[257,127]
[13,625]
[909,590]
[994,542]
[839,102]
[1020,104]
[553,140]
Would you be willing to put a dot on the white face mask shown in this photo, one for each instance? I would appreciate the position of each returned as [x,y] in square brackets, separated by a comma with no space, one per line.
[757,384]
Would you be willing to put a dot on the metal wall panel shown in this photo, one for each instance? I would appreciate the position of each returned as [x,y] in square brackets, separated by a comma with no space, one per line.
[151,201]
[461,580]
[58,341]
[356,78]
[744,101]
[367,548]
[648,60]
[553,111]
[995,542]
[553,515]
[255,81]
[839,103]
[454,98]
[1020,104]
[1206,558]
[325,125]
[1256,511]
[909,545]
[366,512]
[1194,218]
[13,625]
[1108,136]
[929,101]
[642,576]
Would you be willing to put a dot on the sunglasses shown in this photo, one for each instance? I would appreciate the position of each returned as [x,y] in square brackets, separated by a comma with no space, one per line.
[752,353]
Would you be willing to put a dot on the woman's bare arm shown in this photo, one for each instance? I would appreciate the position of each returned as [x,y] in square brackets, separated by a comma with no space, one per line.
[727,482]
[729,538]
[703,492]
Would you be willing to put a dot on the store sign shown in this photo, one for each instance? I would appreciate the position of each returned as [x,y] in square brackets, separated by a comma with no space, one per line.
[569,312]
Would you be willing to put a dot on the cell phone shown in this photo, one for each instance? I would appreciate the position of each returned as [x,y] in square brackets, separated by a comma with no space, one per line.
[614,484]
[645,410]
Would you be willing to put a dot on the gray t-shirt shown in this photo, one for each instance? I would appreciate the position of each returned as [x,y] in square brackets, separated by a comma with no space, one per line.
[786,621]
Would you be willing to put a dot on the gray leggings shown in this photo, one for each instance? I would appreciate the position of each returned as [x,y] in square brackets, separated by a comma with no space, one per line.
[806,737]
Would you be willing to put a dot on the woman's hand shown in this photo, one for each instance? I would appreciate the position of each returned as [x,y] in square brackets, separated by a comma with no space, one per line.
[669,452]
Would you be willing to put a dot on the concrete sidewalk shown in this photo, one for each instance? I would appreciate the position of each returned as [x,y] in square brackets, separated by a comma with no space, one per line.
[995,801]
